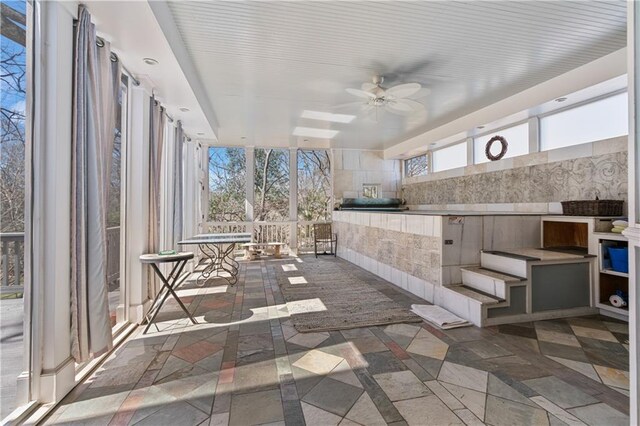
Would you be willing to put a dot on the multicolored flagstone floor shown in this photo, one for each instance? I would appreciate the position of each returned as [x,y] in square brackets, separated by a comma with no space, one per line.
[246,364]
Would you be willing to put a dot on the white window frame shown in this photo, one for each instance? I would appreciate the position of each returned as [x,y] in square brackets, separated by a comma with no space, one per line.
[595,99]
[496,132]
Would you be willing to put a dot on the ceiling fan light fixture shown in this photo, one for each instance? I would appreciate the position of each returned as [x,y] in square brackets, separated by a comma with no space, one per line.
[327,116]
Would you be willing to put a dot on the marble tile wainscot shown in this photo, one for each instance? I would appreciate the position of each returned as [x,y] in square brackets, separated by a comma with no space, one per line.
[422,251]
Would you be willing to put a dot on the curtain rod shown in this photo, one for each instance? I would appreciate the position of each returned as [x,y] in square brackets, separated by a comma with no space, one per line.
[115,58]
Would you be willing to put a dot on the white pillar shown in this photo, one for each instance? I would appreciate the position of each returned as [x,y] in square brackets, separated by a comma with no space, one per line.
[633,232]
[137,214]
[250,173]
[49,230]
[293,199]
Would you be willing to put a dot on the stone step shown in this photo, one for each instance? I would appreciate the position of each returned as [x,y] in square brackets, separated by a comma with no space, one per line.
[505,263]
[466,303]
[488,281]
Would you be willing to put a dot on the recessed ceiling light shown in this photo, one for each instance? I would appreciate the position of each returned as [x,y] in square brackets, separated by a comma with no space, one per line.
[315,133]
[150,61]
[561,99]
[480,127]
[243,137]
[184,109]
[327,116]
[432,144]
[200,134]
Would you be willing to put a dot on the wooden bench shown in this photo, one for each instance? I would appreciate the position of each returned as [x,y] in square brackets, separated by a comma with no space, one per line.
[252,250]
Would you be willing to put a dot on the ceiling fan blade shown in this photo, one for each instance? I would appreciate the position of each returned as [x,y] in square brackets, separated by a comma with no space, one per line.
[409,103]
[402,90]
[361,93]
[397,108]
[358,104]
[368,87]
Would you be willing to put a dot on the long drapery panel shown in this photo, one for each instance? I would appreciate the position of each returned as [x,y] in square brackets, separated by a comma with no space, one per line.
[156,132]
[178,205]
[96,82]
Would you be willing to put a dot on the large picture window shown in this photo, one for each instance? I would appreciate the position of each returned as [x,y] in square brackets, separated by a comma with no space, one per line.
[517,139]
[271,185]
[314,185]
[416,166]
[15,347]
[451,157]
[603,119]
[227,177]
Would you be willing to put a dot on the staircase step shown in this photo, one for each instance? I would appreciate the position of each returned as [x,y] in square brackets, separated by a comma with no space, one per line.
[511,255]
[507,278]
[505,262]
[475,295]
[488,281]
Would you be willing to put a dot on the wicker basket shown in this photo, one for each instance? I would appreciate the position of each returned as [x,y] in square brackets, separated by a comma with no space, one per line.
[592,208]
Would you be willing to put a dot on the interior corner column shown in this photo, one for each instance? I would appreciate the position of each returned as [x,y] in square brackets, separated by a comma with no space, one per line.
[137,213]
[250,180]
[633,231]
[293,199]
[49,228]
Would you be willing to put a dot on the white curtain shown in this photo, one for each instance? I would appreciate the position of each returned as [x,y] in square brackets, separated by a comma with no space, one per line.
[156,132]
[167,187]
[96,82]
[178,204]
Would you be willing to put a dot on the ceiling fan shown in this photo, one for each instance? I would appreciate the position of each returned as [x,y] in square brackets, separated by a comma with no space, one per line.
[393,99]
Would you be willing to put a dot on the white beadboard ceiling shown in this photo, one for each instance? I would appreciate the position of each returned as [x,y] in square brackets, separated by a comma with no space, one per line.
[263,63]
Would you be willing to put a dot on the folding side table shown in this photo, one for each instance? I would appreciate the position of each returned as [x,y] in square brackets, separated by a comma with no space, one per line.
[169,283]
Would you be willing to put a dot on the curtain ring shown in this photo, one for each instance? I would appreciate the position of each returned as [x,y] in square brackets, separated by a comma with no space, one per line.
[99,42]
[113,57]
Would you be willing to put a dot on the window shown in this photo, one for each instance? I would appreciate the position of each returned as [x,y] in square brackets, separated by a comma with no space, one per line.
[227,177]
[314,185]
[450,157]
[15,346]
[271,186]
[114,216]
[602,119]
[416,166]
[517,139]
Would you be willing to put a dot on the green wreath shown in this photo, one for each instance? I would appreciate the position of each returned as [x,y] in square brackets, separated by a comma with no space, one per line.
[503,151]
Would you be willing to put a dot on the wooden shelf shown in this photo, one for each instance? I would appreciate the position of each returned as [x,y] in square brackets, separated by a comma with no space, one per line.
[610,236]
[609,307]
[616,273]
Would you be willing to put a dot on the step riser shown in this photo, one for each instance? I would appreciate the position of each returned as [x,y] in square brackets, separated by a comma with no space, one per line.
[484,283]
[506,265]
[461,306]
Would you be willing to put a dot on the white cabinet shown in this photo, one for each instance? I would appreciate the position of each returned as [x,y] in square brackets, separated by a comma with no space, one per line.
[610,280]
[590,235]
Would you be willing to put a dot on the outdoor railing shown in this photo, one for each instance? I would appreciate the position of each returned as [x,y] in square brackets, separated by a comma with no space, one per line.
[12,270]
[299,234]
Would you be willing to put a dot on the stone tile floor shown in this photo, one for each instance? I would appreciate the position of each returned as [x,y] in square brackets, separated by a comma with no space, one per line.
[246,364]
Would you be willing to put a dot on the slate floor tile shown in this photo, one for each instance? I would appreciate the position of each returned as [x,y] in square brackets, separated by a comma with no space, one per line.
[600,414]
[560,392]
[461,375]
[401,385]
[333,396]
[428,410]
[383,362]
[502,412]
[256,408]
